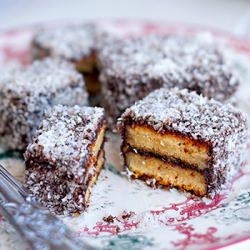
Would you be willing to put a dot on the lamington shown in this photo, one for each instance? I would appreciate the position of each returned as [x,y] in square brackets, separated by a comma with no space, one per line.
[178,138]
[132,68]
[75,43]
[65,157]
[25,93]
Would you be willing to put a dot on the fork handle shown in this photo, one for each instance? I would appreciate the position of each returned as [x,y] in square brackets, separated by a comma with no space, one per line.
[39,228]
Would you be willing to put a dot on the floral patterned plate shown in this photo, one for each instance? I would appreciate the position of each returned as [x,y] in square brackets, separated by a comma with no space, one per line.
[126,214]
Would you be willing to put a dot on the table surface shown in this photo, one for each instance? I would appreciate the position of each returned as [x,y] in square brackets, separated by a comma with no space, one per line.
[227,15]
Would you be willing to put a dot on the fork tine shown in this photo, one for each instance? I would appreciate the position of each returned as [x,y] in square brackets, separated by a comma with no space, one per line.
[13,182]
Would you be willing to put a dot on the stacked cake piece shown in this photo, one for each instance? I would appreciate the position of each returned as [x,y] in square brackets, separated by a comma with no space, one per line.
[182,139]
[65,157]
[132,68]
[25,94]
[75,43]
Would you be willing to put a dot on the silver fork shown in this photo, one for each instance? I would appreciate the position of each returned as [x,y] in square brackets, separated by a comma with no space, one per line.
[35,224]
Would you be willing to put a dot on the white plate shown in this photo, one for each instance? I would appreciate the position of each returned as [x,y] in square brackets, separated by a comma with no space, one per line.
[144,218]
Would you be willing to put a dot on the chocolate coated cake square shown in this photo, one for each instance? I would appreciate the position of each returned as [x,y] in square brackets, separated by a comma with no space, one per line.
[26,93]
[132,68]
[75,43]
[181,139]
[65,157]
